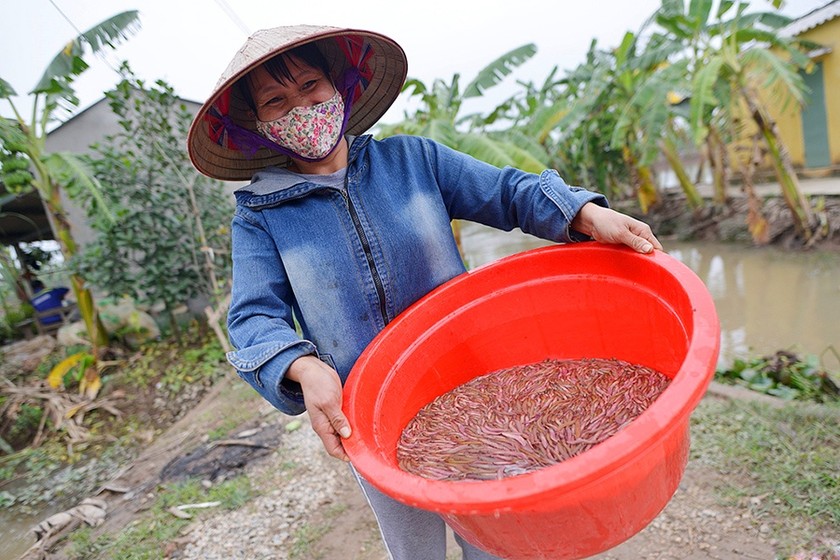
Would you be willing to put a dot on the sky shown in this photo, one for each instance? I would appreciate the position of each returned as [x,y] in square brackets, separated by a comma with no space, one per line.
[188,43]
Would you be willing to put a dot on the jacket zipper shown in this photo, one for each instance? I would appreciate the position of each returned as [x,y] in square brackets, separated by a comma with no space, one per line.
[377,280]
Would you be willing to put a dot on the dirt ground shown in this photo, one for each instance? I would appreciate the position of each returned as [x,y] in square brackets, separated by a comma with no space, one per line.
[308,505]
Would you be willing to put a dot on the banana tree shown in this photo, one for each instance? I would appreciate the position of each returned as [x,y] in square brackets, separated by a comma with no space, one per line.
[439,117]
[603,89]
[731,55]
[51,172]
[580,130]
[648,119]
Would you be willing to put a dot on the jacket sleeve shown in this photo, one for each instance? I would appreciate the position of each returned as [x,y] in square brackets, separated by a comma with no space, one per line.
[542,205]
[260,321]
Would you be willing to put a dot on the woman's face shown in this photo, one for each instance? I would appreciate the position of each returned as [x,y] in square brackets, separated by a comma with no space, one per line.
[308,86]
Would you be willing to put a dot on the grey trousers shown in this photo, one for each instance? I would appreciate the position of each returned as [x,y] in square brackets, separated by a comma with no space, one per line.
[410,533]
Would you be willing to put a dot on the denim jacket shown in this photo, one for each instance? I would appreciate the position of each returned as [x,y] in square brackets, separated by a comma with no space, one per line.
[321,270]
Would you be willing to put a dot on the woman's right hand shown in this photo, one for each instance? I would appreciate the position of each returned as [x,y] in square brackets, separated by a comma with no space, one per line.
[322,395]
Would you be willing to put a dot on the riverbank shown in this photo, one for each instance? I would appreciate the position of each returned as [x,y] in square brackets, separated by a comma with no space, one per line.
[728,223]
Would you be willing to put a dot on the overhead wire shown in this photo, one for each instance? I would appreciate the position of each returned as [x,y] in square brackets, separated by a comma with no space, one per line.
[232,15]
[101,53]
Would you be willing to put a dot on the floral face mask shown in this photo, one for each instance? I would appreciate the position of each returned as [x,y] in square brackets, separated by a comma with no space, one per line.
[311,132]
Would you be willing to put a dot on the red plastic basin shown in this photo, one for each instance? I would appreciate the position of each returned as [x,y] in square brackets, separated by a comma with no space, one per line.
[566,302]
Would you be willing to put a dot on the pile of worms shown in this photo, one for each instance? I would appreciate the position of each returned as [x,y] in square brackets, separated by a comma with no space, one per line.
[520,419]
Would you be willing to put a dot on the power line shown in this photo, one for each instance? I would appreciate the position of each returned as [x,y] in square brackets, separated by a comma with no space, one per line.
[233,17]
[101,53]
[67,19]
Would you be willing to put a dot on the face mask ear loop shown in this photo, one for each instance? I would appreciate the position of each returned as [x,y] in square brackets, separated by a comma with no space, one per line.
[225,132]
[358,74]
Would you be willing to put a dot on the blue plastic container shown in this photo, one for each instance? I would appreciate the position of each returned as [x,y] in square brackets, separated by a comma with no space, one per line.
[47,301]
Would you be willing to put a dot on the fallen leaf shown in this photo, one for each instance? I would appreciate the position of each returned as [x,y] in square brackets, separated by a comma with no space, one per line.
[179,513]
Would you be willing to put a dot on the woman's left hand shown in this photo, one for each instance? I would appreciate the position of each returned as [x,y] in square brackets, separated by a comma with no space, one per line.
[608,226]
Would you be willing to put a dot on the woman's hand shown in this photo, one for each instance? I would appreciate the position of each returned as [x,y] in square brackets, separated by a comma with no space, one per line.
[322,396]
[608,226]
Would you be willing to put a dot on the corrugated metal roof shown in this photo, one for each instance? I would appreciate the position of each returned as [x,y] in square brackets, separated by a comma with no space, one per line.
[812,19]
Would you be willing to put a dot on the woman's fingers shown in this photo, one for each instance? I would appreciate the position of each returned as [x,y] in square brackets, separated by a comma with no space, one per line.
[322,395]
[608,226]
[330,437]
[639,237]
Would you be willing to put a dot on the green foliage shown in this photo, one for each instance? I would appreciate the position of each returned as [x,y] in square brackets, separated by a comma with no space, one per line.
[37,465]
[11,317]
[146,539]
[170,367]
[306,535]
[729,54]
[605,122]
[152,251]
[222,430]
[439,117]
[784,375]
[6,89]
[79,179]
[497,70]
[781,461]
[50,171]
[53,474]
[580,142]
[68,64]
[26,423]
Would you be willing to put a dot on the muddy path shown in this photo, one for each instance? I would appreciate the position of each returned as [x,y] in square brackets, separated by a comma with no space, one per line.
[307,505]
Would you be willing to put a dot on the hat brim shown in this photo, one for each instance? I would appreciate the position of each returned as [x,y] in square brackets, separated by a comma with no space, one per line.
[388,67]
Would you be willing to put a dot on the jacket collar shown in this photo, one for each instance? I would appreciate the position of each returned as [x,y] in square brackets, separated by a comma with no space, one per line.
[275,179]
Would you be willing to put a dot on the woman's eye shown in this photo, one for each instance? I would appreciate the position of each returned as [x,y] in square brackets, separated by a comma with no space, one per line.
[309,84]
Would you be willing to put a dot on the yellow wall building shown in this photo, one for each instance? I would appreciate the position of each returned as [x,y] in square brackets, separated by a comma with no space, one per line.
[811,132]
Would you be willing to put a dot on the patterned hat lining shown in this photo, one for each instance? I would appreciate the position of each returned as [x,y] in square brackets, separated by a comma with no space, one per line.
[378,74]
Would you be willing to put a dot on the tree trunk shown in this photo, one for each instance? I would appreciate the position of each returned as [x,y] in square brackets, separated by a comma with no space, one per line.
[756,222]
[173,325]
[792,193]
[642,181]
[84,299]
[669,149]
[456,233]
[720,165]
[17,279]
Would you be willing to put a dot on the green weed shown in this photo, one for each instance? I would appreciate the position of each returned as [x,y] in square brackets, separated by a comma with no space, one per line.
[146,538]
[303,539]
[785,375]
[171,367]
[783,461]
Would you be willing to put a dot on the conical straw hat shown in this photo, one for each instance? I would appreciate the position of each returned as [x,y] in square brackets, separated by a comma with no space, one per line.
[217,155]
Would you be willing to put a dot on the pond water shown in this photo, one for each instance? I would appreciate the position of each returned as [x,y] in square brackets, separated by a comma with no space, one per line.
[767,299]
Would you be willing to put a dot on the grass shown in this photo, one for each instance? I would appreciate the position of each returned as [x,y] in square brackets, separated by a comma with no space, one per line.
[234,416]
[228,424]
[146,538]
[51,474]
[303,538]
[306,537]
[170,366]
[784,462]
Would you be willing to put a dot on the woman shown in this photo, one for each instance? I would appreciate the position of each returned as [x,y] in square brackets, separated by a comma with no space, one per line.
[339,233]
